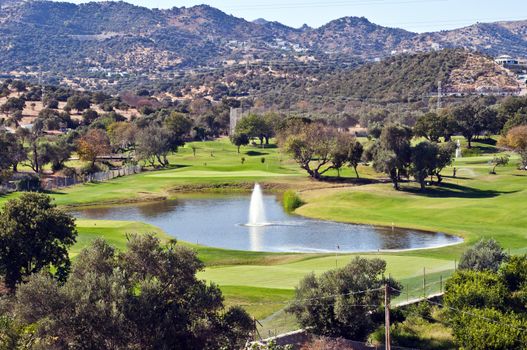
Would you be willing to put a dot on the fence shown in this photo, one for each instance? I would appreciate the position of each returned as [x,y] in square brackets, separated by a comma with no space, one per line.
[51,183]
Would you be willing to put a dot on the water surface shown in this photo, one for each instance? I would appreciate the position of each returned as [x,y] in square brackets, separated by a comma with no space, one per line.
[219,222]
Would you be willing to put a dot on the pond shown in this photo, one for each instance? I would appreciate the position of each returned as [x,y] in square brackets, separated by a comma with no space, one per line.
[219,221]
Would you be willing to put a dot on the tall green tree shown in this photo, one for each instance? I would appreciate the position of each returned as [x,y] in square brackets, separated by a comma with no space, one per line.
[391,153]
[424,161]
[34,235]
[239,140]
[345,302]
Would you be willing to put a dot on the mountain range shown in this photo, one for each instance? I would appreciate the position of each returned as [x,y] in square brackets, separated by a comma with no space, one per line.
[100,37]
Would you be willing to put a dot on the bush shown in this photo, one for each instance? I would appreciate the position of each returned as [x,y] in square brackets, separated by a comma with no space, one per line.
[486,255]
[291,201]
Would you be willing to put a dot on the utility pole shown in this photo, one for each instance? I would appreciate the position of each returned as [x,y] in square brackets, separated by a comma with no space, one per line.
[387,318]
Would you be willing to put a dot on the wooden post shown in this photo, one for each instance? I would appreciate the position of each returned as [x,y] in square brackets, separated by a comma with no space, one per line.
[387,317]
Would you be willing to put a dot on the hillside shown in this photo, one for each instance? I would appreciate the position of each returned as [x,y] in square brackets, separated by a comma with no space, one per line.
[413,77]
[108,41]
[409,77]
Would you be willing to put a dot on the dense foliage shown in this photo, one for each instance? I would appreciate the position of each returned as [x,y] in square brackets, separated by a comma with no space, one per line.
[145,298]
[486,299]
[34,236]
[343,302]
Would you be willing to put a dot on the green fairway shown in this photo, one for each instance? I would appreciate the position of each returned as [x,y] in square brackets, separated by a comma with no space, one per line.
[183,173]
[114,232]
[287,275]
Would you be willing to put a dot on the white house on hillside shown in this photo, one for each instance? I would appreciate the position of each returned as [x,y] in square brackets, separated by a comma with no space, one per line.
[505,60]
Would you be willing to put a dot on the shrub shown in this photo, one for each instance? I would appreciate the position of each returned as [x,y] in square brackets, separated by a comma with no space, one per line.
[291,201]
[486,255]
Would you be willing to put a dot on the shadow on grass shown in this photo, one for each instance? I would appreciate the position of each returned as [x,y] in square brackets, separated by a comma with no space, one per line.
[487,141]
[449,190]
[255,153]
[457,177]
[350,180]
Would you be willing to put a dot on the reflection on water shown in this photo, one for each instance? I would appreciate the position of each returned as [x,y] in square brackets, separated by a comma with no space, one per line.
[218,222]
[256,237]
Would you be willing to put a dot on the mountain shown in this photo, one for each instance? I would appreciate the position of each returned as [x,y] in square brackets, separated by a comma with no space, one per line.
[111,40]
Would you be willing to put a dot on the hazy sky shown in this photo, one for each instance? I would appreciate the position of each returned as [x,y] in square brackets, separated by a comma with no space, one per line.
[414,15]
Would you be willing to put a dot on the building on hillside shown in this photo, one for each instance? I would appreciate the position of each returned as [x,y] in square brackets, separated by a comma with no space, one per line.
[505,60]
[236,115]
[435,46]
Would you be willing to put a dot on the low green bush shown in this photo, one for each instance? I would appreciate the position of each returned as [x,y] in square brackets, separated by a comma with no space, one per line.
[291,201]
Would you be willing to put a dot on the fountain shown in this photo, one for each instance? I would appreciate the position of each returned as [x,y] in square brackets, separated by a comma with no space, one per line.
[256,209]
[458,149]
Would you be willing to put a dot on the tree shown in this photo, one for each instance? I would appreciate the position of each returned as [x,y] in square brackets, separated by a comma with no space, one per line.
[58,152]
[346,151]
[343,302]
[516,139]
[12,105]
[147,297]
[179,124]
[430,126]
[89,116]
[497,161]
[79,103]
[19,86]
[317,148]
[93,144]
[391,153]
[153,144]
[239,140]
[34,235]
[355,153]
[486,255]
[424,160]
[445,156]
[122,135]
[11,151]
[465,116]
[256,126]
[178,127]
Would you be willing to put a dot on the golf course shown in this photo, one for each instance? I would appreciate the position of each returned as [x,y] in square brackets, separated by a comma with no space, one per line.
[472,205]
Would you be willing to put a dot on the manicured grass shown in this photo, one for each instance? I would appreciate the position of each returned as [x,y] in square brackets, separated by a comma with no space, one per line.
[114,232]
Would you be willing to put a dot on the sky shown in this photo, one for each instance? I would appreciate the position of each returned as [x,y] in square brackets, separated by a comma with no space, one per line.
[413,15]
